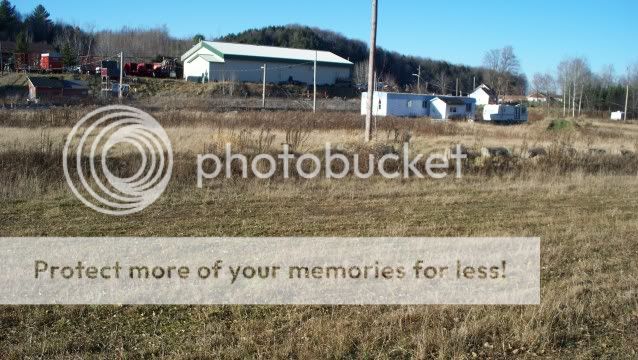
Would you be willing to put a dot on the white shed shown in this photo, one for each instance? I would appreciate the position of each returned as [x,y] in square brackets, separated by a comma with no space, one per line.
[484,95]
[505,113]
[419,105]
[618,115]
[451,108]
[219,61]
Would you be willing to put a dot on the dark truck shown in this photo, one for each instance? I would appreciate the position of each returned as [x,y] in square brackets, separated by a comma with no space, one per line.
[109,69]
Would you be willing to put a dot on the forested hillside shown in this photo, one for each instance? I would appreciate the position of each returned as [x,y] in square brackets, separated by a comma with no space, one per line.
[393,68]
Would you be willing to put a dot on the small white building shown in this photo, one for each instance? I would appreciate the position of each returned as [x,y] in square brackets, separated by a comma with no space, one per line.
[618,115]
[484,95]
[537,98]
[219,61]
[505,113]
[419,105]
[452,108]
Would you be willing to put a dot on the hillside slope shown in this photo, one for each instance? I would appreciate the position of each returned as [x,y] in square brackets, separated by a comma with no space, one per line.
[393,67]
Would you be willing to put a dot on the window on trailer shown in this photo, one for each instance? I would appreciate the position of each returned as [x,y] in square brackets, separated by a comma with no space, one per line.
[468,107]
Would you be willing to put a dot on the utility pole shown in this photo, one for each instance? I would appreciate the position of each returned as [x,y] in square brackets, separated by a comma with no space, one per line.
[121,73]
[626,101]
[1,60]
[574,101]
[564,100]
[419,80]
[371,85]
[474,83]
[457,86]
[314,96]
[426,87]
[263,91]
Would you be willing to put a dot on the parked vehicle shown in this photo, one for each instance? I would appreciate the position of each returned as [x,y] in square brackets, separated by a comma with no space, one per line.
[109,69]
[51,62]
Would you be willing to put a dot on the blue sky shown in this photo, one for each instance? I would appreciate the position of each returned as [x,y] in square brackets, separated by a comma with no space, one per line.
[542,32]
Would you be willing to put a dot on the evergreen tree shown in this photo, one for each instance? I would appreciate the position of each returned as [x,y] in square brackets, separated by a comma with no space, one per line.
[22,43]
[68,56]
[39,24]
[9,21]
[197,38]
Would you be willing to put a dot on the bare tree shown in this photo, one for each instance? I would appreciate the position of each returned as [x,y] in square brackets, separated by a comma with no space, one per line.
[501,66]
[360,72]
[140,43]
[442,81]
[574,74]
[545,85]
[607,76]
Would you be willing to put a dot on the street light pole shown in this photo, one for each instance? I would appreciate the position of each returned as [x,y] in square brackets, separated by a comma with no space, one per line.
[418,81]
[314,96]
[263,91]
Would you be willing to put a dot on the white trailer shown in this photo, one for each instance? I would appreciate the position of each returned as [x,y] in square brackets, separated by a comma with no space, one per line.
[505,113]
[419,105]
[618,115]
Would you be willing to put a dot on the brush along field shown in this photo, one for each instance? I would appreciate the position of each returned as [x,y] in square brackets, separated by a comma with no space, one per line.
[580,198]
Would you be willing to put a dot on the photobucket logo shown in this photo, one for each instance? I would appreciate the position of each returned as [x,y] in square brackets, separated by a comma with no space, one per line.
[86,155]
[392,165]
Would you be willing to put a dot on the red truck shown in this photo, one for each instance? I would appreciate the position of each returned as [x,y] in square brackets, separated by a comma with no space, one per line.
[51,62]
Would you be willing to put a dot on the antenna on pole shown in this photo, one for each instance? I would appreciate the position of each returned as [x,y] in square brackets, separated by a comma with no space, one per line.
[371,84]
[121,73]
[626,101]
[419,80]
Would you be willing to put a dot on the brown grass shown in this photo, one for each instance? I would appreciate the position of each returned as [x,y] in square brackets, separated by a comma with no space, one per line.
[582,206]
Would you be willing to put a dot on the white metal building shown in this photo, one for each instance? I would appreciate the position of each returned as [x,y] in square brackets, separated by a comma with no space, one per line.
[505,113]
[618,115]
[219,61]
[419,105]
[484,95]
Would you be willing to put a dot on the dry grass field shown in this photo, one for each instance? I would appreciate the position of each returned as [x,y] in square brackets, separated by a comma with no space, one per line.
[581,201]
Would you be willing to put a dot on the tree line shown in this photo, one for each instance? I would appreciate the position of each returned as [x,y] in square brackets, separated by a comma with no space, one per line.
[580,89]
[76,44]
[393,69]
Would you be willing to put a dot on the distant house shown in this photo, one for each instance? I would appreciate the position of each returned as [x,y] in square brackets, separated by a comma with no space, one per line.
[484,95]
[512,99]
[51,88]
[537,97]
[220,61]
[419,105]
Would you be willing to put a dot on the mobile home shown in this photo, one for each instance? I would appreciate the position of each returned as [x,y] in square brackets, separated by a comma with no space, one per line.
[419,105]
